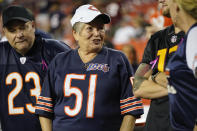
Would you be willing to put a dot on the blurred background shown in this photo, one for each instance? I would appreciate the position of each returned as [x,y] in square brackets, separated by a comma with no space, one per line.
[133,21]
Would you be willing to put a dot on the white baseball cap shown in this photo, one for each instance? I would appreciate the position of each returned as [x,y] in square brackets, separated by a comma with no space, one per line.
[87,13]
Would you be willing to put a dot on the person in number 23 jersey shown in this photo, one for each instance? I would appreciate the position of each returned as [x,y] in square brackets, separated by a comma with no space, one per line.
[23,63]
[88,88]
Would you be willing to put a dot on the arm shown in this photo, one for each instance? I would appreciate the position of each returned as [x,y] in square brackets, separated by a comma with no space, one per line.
[131,107]
[46,123]
[195,128]
[191,51]
[145,87]
[44,104]
[128,123]
[161,79]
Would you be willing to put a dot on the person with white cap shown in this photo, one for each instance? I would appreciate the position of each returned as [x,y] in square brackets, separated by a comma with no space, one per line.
[24,59]
[89,88]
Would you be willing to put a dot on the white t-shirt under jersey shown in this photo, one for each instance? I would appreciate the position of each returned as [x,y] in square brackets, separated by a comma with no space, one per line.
[191,50]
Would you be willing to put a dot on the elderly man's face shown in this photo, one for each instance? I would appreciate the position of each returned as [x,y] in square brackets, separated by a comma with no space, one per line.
[91,36]
[20,35]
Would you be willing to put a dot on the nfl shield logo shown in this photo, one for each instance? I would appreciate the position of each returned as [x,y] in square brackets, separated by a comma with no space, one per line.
[173,38]
[22,60]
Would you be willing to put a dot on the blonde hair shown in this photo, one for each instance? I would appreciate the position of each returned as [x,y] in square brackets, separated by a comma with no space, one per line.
[190,6]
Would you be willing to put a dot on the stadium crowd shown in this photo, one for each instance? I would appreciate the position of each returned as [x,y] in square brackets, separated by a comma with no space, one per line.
[130,20]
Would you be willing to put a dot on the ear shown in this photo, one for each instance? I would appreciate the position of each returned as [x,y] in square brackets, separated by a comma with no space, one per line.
[3,30]
[177,7]
[75,35]
[33,24]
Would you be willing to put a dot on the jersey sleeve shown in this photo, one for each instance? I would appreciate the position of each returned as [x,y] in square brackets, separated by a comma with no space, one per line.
[52,48]
[44,104]
[149,52]
[128,103]
[57,46]
[191,50]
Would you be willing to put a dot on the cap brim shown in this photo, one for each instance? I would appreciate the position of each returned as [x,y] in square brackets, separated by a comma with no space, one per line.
[105,17]
[17,18]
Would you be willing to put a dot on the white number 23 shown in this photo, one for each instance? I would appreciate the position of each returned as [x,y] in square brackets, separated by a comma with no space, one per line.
[12,110]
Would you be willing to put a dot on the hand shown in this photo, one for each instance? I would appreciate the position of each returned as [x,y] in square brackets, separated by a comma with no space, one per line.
[161,79]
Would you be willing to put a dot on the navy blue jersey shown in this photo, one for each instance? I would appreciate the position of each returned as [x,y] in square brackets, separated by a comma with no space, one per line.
[88,97]
[161,46]
[21,78]
[182,91]
[42,34]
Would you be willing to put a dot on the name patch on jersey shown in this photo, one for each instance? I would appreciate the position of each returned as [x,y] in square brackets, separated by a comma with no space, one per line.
[97,66]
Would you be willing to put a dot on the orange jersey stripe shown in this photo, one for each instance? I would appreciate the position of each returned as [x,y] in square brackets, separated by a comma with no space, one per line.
[45,98]
[131,109]
[125,100]
[44,103]
[130,104]
[43,108]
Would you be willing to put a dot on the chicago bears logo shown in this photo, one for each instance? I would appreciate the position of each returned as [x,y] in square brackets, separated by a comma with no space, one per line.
[93,8]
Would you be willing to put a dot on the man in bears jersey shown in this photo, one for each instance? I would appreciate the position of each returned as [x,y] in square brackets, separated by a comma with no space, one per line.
[24,59]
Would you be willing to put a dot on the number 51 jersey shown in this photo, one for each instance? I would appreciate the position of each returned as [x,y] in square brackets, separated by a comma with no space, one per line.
[20,83]
[86,97]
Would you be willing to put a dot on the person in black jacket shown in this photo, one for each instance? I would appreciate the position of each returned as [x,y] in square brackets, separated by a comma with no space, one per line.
[150,82]
[24,59]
